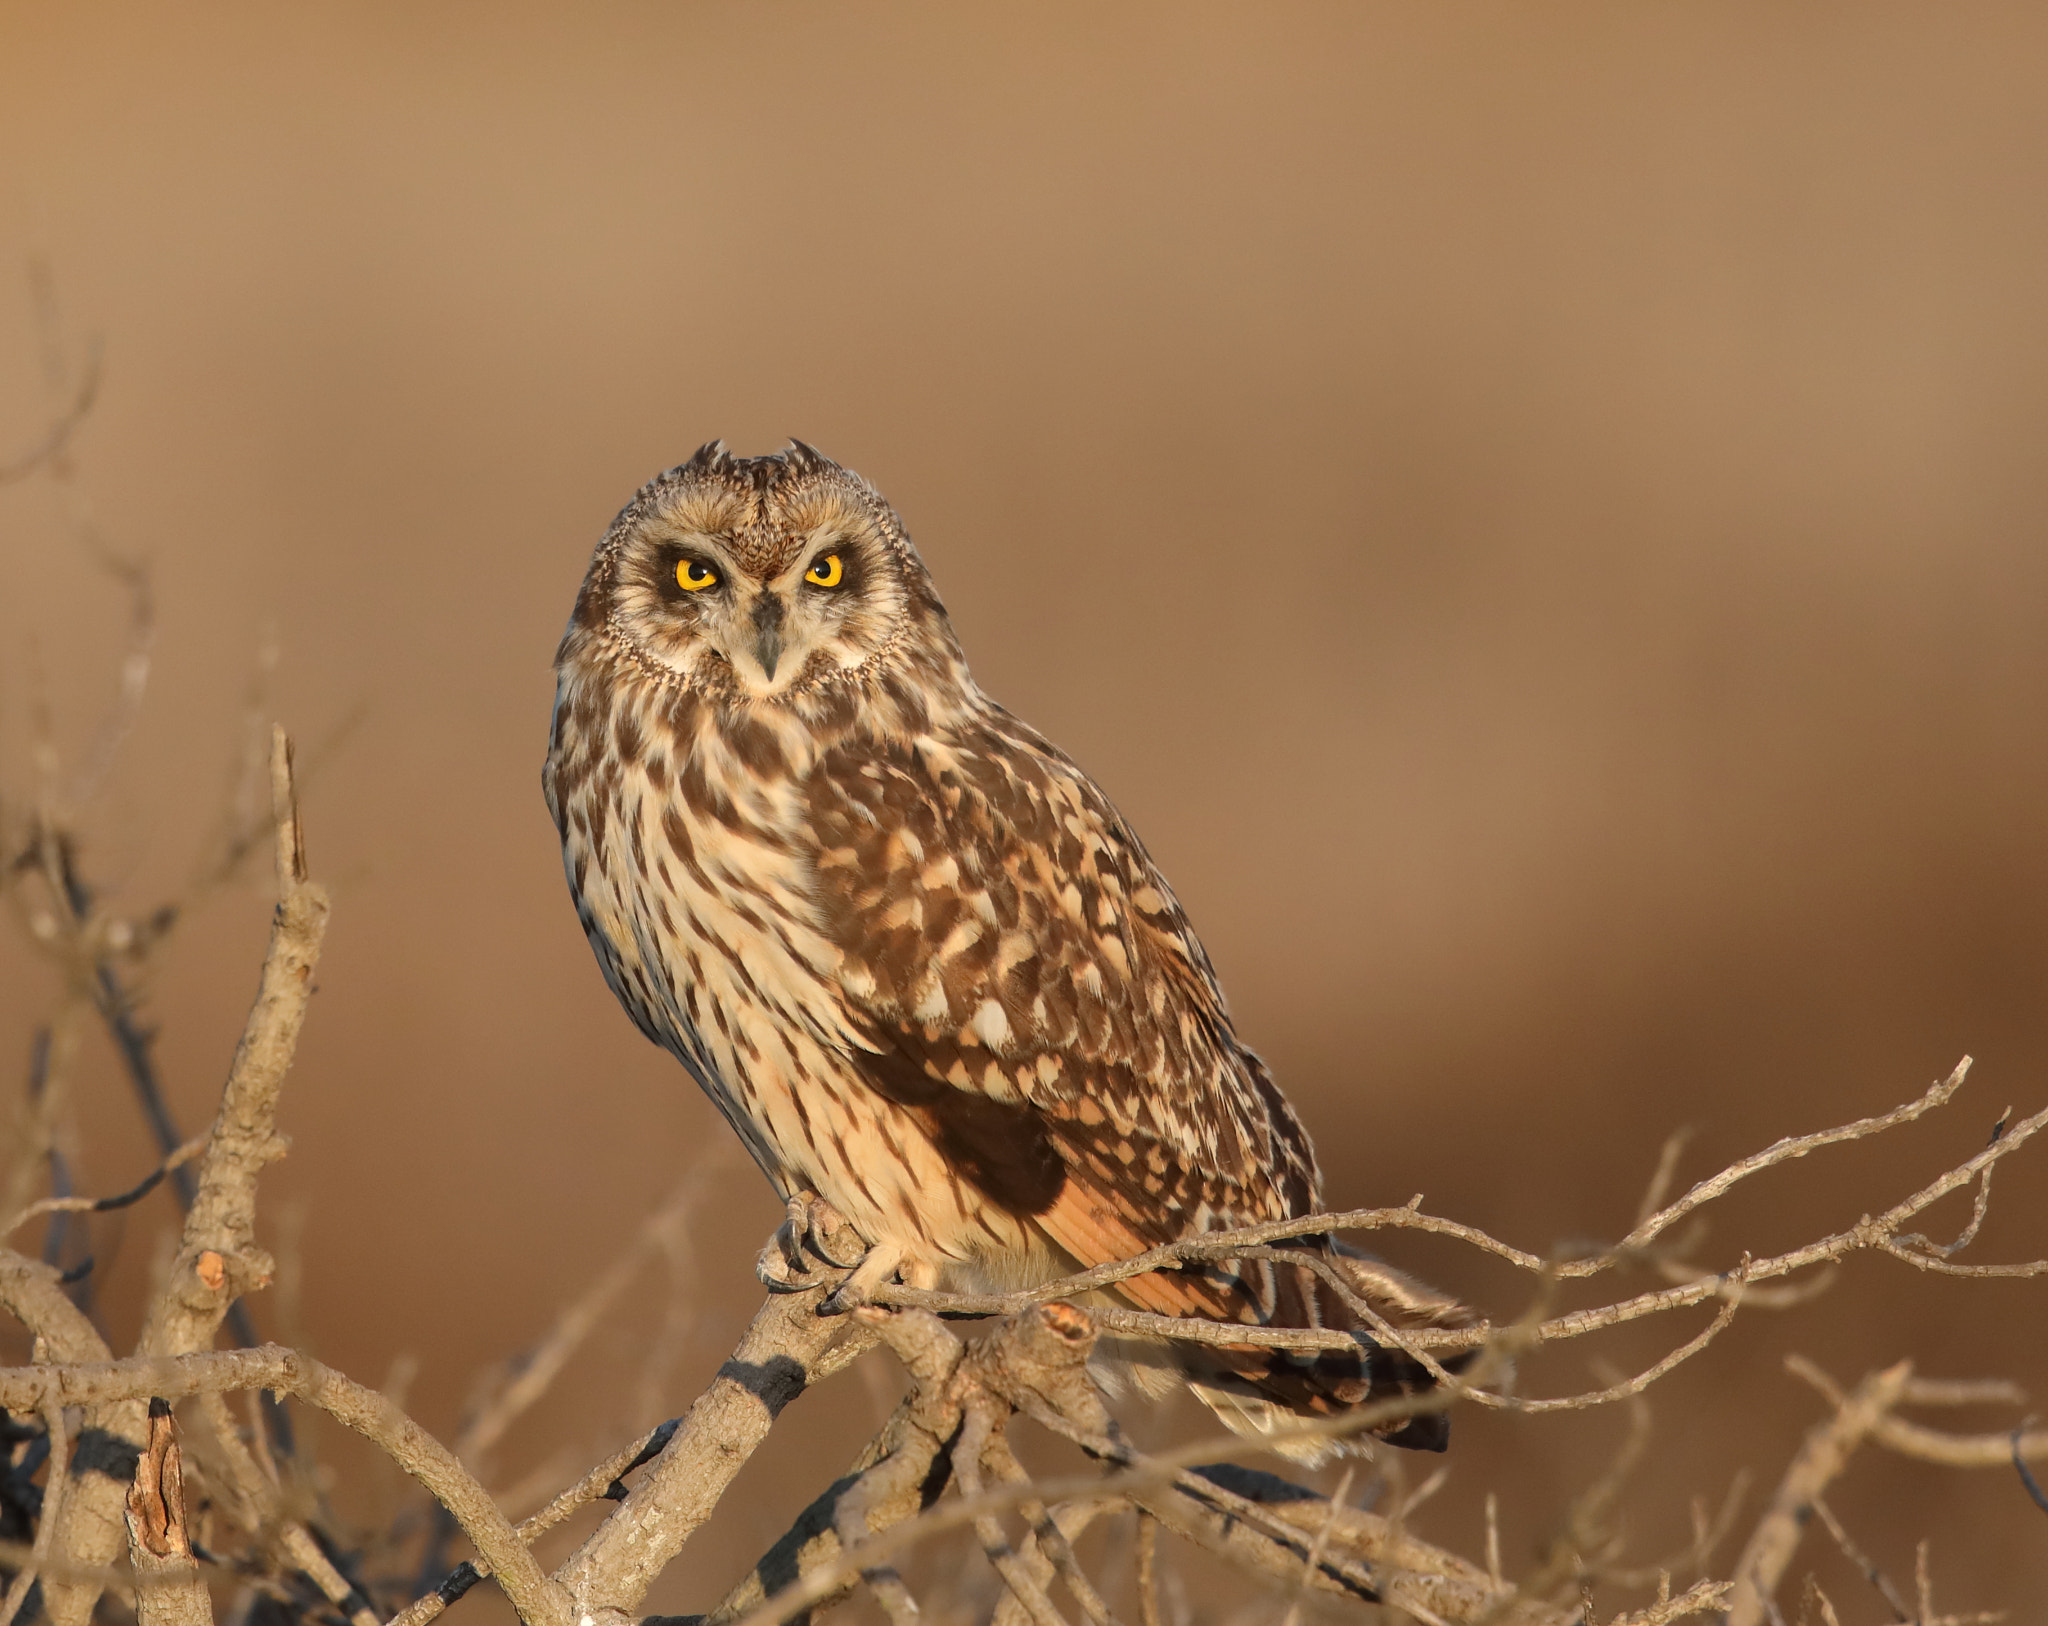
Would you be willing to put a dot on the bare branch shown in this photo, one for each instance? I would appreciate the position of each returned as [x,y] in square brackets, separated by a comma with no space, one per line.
[40,1555]
[30,1292]
[1049,1546]
[1879,1233]
[168,1591]
[540,1370]
[65,1543]
[975,1431]
[1823,1455]
[1696,1600]
[1901,1610]
[540,1602]
[1038,1364]
[1932,1444]
[107,1205]
[256,1503]
[898,1474]
[1148,1580]
[218,1259]
[603,1481]
[1784,1151]
[787,1347]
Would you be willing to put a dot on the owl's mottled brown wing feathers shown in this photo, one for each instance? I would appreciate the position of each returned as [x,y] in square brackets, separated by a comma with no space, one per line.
[1032,990]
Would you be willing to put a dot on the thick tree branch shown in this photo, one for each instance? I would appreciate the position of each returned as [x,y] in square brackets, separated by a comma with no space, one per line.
[786,1348]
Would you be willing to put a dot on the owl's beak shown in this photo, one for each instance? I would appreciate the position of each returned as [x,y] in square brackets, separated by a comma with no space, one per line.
[768,632]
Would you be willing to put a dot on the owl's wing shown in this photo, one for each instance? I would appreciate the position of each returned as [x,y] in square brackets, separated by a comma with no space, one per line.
[1031,990]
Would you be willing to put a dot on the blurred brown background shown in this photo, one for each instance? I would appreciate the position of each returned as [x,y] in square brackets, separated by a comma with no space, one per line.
[1536,514]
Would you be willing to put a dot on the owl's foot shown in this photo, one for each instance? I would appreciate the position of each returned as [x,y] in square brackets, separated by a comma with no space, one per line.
[877,1266]
[812,1243]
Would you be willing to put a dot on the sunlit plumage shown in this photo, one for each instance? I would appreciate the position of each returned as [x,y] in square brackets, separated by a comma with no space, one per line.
[912,952]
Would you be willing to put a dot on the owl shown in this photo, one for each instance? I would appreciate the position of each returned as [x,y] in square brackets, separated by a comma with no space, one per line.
[911,951]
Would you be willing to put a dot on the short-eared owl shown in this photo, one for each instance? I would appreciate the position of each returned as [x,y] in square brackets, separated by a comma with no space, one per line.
[912,952]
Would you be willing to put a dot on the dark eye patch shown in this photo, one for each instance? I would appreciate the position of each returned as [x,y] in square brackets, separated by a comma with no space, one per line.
[670,561]
[851,571]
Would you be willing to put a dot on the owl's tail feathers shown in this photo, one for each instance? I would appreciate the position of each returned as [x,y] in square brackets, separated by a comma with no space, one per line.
[1266,1392]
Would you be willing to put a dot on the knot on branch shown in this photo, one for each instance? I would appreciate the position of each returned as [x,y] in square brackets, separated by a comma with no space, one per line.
[225,1275]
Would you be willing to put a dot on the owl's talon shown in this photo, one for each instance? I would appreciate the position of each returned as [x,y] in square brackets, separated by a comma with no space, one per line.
[806,1246]
[773,1269]
[876,1266]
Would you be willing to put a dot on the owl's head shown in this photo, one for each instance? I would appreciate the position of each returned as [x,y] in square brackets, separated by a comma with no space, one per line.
[759,578]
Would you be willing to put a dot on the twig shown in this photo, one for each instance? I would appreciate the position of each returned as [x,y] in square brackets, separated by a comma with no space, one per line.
[1218,1245]
[1148,1579]
[898,1473]
[1784,1151]
[1660,1180]
[257,1505]
[571,1327]
[1707,1534]
[1195,1505]
[1049,1548]
[107,1205]
[1978,1210]
[1925,1444]
[1869,1233]
[975,1431]
[1826,1450]
[46,1528]
[1814,1598]
[1696,1600]
[1314,1555]
[601,1482]
[33,1293]
[2019,1462]
[1901,1610]
[221,1224]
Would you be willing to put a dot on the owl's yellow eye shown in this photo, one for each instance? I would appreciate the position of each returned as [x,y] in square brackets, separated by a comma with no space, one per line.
[693,575]
[826,572]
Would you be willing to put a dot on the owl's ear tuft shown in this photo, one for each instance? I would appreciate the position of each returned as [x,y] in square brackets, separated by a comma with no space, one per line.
[805,459]
[710,458]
